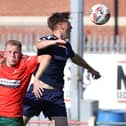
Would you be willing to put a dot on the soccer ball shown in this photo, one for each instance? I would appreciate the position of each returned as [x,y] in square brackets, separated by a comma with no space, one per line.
[99,14]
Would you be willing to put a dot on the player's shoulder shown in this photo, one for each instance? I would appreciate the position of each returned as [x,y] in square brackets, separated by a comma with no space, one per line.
[48,37]
[24,56]
[28,58]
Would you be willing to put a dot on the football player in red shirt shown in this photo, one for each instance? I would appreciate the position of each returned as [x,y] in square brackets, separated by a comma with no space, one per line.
[15,75]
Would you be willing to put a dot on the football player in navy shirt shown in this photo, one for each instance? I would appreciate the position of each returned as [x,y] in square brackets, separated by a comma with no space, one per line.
[48,85]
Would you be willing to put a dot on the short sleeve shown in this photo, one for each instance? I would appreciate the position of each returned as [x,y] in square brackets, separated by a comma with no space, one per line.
[49,50]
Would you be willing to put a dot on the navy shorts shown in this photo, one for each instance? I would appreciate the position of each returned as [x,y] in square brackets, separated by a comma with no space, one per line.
[51,103]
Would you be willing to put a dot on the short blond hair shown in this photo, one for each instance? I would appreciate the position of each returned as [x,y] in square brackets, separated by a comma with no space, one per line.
[14,43]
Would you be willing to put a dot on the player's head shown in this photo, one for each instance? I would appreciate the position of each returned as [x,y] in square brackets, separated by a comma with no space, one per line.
[13,52]
[60,21]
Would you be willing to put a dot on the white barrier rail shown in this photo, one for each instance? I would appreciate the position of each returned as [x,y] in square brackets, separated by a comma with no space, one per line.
[92,44]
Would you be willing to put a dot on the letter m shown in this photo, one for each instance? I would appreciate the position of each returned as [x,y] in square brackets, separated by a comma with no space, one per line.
[120,77]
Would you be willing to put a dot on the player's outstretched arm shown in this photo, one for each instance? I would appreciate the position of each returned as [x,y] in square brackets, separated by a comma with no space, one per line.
[81,62]
[41,44]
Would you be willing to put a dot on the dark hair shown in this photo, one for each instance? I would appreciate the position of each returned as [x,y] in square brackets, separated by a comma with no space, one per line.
[15,43]
[56,18]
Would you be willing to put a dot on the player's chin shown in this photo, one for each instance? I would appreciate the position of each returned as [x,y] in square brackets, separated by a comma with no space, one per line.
[14,63]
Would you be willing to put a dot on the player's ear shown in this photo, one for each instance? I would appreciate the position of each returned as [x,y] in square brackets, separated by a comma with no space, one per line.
[62,26]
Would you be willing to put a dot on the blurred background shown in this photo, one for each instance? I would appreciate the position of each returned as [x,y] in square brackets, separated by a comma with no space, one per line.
[88,101]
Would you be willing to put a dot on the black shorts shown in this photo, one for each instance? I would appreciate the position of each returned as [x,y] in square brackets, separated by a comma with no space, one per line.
[51,103]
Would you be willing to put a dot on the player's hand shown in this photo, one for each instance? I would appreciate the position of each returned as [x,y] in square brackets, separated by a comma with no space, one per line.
[38,89]
[2,59]
[95,74]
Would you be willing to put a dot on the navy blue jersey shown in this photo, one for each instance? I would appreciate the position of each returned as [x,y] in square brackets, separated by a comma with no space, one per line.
[54,73]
